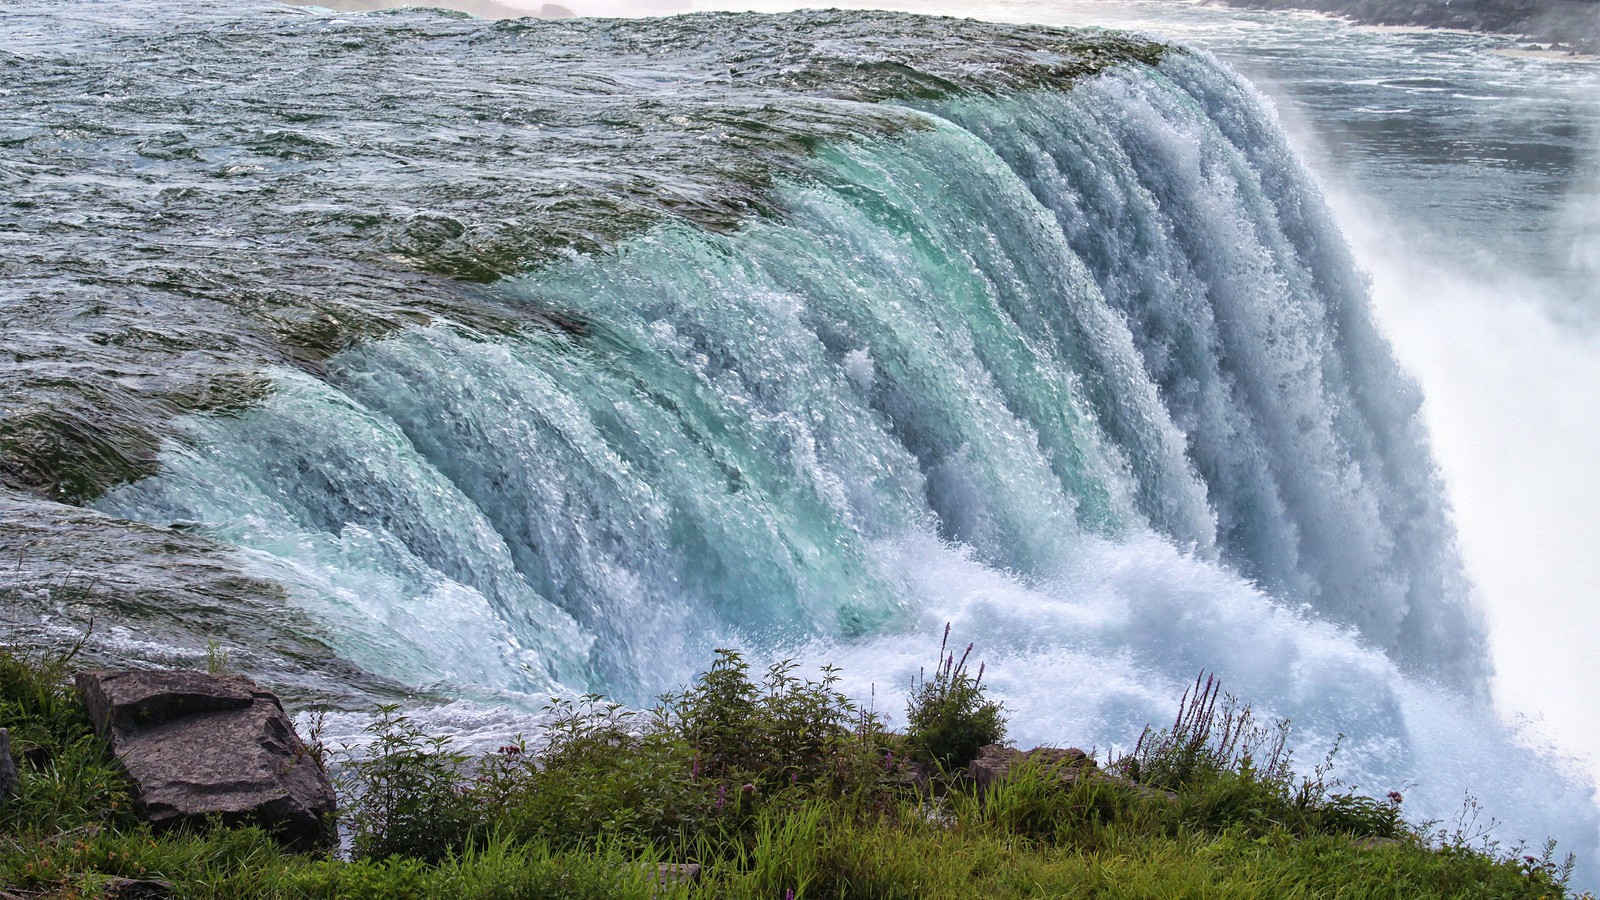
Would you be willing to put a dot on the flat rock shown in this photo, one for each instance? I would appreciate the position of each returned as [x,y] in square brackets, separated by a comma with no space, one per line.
[198,746]
[135,701]
[994,763]
[668,874]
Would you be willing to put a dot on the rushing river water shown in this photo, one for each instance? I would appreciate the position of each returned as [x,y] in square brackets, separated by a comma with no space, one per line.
[409,352]
[1466,171]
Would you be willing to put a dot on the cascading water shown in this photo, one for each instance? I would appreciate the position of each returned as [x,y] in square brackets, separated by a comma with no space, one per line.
[1084,368]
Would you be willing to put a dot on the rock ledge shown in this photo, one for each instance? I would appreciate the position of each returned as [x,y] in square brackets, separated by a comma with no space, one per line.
[199,746]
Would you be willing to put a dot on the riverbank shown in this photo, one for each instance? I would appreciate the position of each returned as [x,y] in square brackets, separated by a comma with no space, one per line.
[775,786]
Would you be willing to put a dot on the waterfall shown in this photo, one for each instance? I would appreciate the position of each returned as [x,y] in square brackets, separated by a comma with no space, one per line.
[1089,373]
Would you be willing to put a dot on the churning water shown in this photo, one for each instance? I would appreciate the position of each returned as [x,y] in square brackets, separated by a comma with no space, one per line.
[497,360]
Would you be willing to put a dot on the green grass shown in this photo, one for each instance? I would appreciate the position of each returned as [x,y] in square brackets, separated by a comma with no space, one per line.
[775,786]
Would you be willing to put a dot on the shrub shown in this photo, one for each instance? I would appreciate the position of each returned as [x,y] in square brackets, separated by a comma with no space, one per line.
[718,716]
[706,761]
[948,718]
[1206,740]
[605,776]
[1355,814]
[1035,802]
[408,796]
[1230,773]
[785,733]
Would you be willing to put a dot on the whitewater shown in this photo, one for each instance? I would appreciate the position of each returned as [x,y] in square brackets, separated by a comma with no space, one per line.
[807,335]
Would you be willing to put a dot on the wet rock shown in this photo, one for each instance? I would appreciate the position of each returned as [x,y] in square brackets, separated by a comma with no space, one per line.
[198,746]
[8,767]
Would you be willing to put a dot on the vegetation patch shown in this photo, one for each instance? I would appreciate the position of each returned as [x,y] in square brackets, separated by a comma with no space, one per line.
[776,786]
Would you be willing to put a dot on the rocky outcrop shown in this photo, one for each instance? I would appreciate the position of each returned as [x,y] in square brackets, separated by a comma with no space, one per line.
[995,763]
[199,746]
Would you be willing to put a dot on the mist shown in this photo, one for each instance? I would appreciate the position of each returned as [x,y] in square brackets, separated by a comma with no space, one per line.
[1512,380]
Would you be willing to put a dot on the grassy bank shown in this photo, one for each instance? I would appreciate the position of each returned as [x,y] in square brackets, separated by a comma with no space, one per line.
[778,786]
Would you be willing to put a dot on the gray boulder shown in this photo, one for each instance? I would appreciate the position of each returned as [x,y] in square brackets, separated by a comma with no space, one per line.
[994,763]
[669,874]
[8,767]
[198,746]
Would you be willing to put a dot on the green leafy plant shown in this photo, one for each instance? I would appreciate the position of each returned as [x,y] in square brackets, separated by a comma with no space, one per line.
[1226,771]
[948,717]
[785,732]
[704,762]
[216,658]
[406,795]
[607,775]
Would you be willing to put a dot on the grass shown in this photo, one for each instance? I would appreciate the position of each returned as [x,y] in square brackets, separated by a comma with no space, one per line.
[778,786]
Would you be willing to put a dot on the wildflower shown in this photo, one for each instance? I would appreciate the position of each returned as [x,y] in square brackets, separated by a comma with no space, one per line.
[1395,797]
[722,795]
[510,750]
[748,788]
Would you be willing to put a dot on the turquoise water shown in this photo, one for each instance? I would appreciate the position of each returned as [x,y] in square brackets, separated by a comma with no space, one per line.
[804,335]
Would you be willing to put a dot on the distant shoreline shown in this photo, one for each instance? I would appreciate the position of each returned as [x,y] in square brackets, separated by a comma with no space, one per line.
[1568,26]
